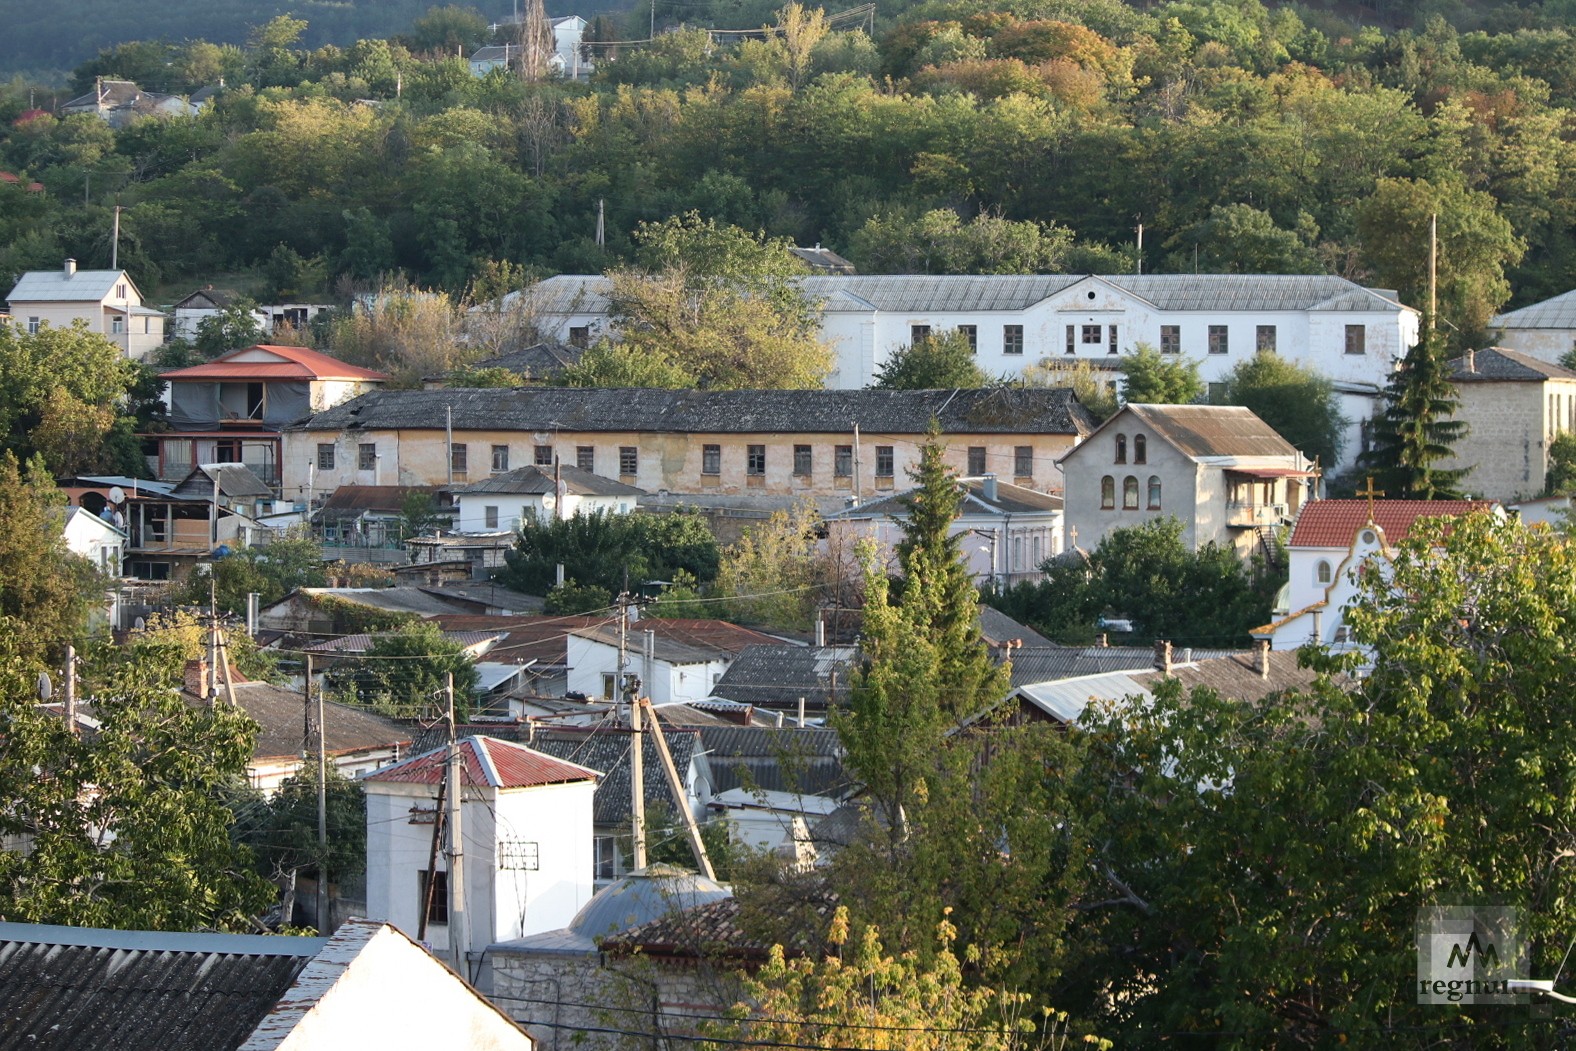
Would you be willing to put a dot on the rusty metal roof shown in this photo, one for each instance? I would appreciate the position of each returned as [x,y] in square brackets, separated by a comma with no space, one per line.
[67,988]
[287,363]
[487,761]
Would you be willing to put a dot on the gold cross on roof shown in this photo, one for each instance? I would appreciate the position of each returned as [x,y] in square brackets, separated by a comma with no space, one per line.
[1370,493]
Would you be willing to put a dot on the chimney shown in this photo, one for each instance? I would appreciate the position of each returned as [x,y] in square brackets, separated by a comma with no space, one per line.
[820,631]
[1318,627]
[1471,360]
[1103,640]
[1163,656]
[1262,648]
[988,488]
[196,678]
[70,267]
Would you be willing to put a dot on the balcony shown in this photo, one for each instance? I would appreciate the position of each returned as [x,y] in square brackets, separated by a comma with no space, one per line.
[1242,515]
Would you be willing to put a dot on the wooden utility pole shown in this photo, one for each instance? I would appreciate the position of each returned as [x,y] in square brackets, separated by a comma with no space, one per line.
[71,689]
[323,919]
[1433,269]
[432,861]
[637,760]
[697,845]
[458,940]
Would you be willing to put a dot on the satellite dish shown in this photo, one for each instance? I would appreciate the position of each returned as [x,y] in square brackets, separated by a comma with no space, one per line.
[117,495]
[46,688]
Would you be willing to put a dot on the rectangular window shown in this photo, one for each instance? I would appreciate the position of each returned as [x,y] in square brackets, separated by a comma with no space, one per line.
[802,461]
[1112,348]
[972,334]
[609,686]
[884,463]
[435,905]
[711,459]
[1023,461]
[1072,331]
[1216,394]
[843,461]
[1091,335]
[32,326]
[1217,339]
[628,460]
[585,458]
[606,853]
[116,323]
[917,334]
[457,459]
[976,460]
[544,456]
[489,518]
[1356,339]
[500,459]
[754,460]
[1170,339]
[1012,339]
[325,456]
[367,456]
[1264,338]
[579,335]
[120,291]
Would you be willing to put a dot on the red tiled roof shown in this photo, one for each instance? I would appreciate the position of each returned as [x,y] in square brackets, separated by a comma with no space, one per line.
[1333,523]
[541,638]
[299,363]
[487,761]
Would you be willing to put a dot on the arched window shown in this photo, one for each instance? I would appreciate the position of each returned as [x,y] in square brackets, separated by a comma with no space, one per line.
[1154,492]
[1322,572]
[1140,449]
[1130,493]
[1121,448]
[1107,493]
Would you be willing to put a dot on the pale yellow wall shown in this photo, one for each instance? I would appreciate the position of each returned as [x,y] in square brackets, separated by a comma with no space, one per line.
[669,462]
[1510,426]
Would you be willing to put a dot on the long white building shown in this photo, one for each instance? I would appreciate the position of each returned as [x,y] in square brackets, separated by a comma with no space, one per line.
[1352,334]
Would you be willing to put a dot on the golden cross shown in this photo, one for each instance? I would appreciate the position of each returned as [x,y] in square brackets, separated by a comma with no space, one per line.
[1370,493]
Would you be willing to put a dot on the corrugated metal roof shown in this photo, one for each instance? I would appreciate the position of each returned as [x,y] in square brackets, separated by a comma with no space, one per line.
[395,600]
[487,761]
[1500,365]
[375,497]
[1334,523]
[280,363]
[55,286]
[281,733]
[363,642]
[927,293]
[1066,700]
[534,481]
[682,639]
[994,410]
[775,675]
[1010,499]
[1558,312]
[779,760]
[65,989]
[234,480]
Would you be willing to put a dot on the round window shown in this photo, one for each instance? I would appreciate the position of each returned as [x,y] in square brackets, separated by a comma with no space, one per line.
[1369,537]
[1091,293]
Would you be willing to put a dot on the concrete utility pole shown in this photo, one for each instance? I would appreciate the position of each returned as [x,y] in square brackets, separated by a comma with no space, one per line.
[324,921]
[637,761]
[458,940]
[1433,269]
[71,689]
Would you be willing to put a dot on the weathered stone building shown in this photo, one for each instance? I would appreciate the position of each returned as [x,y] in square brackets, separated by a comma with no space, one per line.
[1514,406]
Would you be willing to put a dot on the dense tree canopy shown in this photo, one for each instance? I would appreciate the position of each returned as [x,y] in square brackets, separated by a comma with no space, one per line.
[1298,402]
[606,551]
[940,361]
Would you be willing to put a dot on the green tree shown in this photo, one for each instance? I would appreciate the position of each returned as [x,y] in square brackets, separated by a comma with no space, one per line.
[941,361]
[446,28]
[45,589]
[281,830]
[940,242]
[1561,479]
[1293,399]
[1476,244]
[1241,239]
[1294,840]
[1094,388]
[294,560]
[125,826]
[233,327]
[772,575]
[1416,430]
[404,671]
[1152,378]
[605,550]
[719,303]
[570,598]
[61,392]
[419,514]
[609,364]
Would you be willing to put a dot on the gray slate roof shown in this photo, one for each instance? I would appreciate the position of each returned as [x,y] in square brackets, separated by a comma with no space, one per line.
[998,628]
[1558,312]
[777,675]
[607,752]
[277,712]
[922,293]
[234,480]
[1500,365]
[535,481]
[54,286]
[997,410]
[536,362]
[807,761]
[1010,499]
[67,988]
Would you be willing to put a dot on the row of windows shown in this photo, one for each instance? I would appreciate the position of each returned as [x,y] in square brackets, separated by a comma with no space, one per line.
[1140,449]
[1129,493]
[459,457]
[803,461]
[1107,336]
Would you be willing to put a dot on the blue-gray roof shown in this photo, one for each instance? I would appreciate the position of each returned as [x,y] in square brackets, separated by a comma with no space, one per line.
[1558,312]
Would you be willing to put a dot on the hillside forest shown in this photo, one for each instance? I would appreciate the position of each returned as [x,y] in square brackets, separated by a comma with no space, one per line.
[960,137]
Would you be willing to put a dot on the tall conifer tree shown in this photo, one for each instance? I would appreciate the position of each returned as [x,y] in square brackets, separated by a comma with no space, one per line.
[1416,430]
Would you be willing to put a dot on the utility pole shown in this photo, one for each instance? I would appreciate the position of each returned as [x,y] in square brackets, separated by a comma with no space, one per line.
[697,845]
[1433,269]
[458,940]
[71,689]
[856,464]
[637,761]
[114,251]
[448,438]
[1140,267]
[323,918]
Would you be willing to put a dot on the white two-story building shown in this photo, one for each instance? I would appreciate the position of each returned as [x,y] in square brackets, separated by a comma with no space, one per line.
[1353,335]
[107,301]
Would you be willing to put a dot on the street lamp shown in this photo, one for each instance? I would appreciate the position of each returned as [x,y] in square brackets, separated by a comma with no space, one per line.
[991,536]
[1543,986]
